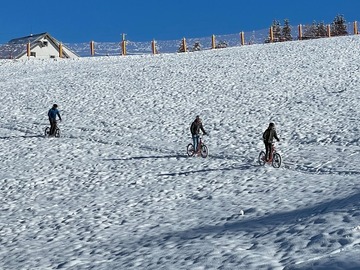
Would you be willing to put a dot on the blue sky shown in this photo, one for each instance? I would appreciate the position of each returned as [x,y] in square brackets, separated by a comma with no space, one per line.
[144,20]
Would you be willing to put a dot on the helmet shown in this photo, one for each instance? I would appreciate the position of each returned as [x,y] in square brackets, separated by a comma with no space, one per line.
[271,124]
[55,105]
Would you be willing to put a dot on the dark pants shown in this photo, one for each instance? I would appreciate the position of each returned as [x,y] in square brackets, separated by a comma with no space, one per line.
[52,126]
[268,147]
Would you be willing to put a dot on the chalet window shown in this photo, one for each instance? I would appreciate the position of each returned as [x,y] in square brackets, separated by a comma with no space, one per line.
[33,54]
[43,43]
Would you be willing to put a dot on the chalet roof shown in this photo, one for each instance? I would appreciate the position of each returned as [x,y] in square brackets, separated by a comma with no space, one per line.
[25,40]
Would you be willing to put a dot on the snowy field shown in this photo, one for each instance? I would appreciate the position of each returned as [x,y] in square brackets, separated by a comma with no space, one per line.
[117,190]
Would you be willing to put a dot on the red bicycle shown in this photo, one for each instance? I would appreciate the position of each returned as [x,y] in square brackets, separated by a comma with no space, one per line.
[274,160]
[201,150]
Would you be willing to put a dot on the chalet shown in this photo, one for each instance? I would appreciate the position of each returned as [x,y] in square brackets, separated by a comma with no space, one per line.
[35,46]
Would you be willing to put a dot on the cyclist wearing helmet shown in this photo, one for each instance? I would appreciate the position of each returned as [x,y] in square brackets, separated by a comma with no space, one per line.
[53,112]
[195,128]
[268,138]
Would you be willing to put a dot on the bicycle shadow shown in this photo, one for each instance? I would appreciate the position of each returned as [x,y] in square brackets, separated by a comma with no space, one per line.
[241,167]
[147,157]
[22,136]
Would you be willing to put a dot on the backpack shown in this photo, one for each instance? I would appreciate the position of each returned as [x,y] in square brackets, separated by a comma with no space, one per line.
[266,134]
[193,128]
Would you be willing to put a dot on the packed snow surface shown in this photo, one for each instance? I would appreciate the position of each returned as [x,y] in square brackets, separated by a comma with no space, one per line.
[118,191]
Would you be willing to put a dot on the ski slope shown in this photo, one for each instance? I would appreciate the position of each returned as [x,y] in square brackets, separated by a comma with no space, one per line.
[117,190]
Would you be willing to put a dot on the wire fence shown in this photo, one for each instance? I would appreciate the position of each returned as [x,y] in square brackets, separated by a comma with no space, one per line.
[93,48]
[173,46]
[165,46]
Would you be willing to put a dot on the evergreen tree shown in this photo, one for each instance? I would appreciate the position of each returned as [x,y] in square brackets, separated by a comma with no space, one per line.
[276,30]
[196,47]
[338,26]
[286,31]
[221,44]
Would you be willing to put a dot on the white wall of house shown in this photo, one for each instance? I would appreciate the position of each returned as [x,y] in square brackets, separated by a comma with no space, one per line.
[44,49]
[70,53]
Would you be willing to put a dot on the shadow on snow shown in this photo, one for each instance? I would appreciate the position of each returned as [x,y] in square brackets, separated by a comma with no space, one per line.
[146,157]
[249,225]
[24,137]
[239,167]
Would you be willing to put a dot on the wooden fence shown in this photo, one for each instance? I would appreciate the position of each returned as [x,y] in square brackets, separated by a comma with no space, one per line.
[214,45]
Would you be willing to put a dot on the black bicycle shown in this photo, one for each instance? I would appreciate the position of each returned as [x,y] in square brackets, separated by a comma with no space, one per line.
[56,133]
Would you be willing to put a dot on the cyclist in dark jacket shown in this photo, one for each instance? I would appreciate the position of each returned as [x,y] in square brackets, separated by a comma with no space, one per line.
[268,137]
[52,113]
[195,128]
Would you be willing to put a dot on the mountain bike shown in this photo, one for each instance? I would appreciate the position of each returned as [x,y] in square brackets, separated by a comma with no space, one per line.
[56,133]
[274,160]
[202,149]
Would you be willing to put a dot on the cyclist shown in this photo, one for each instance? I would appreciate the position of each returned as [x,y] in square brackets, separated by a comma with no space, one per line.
[52,113]
[195,128]
[268,137]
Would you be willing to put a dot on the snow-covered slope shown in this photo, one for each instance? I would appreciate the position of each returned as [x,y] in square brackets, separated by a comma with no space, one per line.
[117,190]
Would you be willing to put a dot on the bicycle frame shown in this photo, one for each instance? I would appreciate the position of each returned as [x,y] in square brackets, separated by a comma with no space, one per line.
[56,131]
[274,157]
[201,148]
[273,150]
[271,154]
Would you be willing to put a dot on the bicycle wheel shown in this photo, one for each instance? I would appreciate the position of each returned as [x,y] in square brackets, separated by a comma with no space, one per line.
[276,161]
[262,158]
[47,131]
[57,132]
[190,150]
[204,151]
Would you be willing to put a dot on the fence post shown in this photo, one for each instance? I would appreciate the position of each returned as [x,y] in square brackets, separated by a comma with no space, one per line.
[328,30]
[123,45]
[92,48]
[213,42]
[242,38]
[184,45]
[271,34]
[300,32]
[28,49]
[153,47]
[355,28]
[60,50]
